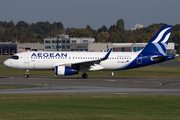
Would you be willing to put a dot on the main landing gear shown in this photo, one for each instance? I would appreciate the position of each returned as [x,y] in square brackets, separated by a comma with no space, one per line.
[26,74]
[84,75]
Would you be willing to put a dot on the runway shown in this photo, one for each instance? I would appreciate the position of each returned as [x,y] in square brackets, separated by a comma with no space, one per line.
[77,85]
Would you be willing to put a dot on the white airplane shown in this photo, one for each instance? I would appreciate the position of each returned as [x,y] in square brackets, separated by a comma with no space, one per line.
[69,63]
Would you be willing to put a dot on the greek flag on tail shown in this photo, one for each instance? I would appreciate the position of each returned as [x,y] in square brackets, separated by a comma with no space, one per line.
[158,44]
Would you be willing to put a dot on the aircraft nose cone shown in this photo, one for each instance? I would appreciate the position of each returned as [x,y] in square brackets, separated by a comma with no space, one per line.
[6,63]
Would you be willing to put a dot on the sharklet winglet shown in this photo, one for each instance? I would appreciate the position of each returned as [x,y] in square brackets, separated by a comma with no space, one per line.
[107,55]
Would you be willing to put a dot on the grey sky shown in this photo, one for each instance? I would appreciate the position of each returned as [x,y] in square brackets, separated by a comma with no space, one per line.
[96,13]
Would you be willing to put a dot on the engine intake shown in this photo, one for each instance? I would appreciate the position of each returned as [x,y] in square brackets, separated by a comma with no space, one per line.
[65,70]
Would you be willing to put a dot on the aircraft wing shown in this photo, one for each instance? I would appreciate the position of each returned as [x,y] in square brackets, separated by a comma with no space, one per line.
[87,64]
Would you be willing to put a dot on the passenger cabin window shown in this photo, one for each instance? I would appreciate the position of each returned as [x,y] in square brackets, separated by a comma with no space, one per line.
[15,57]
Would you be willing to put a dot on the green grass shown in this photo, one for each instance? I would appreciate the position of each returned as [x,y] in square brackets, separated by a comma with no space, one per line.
[10,87]
[90,107]
[13,86]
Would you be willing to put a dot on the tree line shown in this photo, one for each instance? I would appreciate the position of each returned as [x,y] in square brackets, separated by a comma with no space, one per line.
[36,32]
[24,32]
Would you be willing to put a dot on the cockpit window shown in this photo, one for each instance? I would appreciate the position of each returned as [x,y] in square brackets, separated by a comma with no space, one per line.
[15,57]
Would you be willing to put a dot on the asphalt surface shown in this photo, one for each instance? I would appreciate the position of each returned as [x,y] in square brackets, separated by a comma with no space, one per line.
[77,85]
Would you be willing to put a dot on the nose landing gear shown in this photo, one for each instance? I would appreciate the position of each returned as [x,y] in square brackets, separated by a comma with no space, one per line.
[26,74]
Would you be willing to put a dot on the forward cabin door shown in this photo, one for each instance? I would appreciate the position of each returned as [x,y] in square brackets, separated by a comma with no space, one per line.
[26,57]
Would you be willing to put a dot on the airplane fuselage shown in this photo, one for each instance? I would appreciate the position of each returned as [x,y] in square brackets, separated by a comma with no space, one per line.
[48,60]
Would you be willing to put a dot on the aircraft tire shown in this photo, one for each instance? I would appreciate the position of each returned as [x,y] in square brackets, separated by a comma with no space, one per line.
[85,76]
[26,76]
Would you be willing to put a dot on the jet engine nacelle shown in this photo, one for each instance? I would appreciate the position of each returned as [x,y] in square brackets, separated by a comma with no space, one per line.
[65,70]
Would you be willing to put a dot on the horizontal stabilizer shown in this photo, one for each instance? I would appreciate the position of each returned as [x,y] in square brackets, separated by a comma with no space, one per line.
[159,58]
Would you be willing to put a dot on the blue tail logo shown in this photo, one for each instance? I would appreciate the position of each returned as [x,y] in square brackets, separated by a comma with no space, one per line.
[158,43]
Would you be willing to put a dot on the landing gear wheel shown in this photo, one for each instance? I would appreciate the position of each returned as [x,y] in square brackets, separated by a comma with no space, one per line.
[26,76]
[84,75]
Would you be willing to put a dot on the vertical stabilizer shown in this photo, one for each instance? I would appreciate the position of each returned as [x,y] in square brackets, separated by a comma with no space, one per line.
[158,44]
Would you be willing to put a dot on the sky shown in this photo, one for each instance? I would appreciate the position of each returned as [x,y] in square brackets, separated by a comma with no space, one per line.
[96,13]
